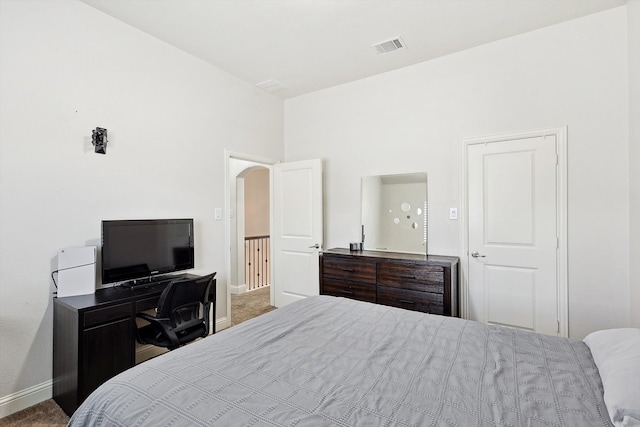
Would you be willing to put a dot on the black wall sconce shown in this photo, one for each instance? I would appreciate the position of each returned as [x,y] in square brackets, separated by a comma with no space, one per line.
[99,140]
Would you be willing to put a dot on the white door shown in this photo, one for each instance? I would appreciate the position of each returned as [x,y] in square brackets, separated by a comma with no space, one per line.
[513,238]
[297,229]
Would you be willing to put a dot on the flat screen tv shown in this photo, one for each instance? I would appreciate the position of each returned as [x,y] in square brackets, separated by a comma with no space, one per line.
[136,249]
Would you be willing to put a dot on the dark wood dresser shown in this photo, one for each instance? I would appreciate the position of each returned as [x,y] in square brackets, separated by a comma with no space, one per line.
[415,282]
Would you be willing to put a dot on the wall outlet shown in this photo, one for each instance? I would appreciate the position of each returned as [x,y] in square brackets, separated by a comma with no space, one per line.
[453,213]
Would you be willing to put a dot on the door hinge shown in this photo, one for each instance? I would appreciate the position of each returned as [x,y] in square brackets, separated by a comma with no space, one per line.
[558,327]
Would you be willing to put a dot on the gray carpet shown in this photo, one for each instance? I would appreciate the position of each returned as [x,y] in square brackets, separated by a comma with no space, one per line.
[49,414]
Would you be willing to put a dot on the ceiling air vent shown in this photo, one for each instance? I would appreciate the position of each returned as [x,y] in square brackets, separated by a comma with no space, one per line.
[271,86]
[389,46]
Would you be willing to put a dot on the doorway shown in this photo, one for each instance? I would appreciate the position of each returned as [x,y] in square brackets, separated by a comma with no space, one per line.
[248,230]
[296,224]
[253,212]
[514,244]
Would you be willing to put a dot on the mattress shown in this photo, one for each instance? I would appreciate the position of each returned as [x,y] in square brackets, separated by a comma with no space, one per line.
[327,361]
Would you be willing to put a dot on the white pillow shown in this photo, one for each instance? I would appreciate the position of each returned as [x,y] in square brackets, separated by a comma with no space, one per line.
[617,356]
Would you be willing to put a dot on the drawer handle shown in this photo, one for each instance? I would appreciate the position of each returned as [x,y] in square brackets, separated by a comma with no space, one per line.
[346,292]
[404,301]
[349,270]
[408,277]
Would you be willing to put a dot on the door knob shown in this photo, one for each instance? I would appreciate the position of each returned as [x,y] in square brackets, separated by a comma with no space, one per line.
[477,255]
[316,246]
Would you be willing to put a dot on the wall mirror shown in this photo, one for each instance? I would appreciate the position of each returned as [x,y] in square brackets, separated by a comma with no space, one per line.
[394,212]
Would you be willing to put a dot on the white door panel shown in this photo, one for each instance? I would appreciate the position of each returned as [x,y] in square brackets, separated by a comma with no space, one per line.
[512,227]
[510,297]
[509,208]
[298,229]
[296,281]
[296,196]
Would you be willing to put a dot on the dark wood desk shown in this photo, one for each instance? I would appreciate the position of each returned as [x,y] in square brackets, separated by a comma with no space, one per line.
[94,338]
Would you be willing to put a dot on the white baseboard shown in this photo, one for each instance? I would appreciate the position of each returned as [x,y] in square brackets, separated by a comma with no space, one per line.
[24,398]
[238,289]
[222,323]
[147,351]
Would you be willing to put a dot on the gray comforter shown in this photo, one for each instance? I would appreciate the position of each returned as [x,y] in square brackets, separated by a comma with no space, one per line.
[333,361]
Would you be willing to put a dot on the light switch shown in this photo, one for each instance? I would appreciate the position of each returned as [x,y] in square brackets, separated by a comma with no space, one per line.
[453,213]
[218,214]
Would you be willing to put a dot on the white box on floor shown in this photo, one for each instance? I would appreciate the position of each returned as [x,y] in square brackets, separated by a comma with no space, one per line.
[76,271]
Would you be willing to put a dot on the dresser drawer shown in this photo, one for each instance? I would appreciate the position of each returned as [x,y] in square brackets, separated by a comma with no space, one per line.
[356,270]
[412,300]
[411,276]
[360,291]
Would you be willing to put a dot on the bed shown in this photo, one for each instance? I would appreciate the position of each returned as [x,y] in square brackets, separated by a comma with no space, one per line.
[333,361]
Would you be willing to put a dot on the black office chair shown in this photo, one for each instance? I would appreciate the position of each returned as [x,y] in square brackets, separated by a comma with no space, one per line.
[182,314]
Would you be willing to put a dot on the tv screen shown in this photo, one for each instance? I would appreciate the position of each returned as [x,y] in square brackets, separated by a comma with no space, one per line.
[134,249]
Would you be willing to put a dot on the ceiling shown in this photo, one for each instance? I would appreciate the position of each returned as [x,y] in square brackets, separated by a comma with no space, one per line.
[301,46]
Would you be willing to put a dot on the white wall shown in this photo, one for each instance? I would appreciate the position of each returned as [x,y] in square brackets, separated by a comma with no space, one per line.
[413,120]
[256,203]
[634,156]
[66,68]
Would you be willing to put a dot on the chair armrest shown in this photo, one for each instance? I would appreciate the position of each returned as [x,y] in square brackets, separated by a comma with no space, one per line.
[173,338]
[162,325]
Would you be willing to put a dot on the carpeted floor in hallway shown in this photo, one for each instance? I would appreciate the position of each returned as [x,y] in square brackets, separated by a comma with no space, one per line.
[250,304]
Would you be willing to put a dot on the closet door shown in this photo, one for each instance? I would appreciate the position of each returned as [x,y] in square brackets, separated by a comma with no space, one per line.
[513,240]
